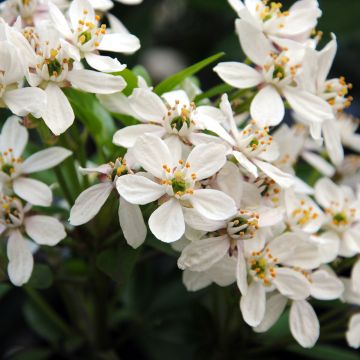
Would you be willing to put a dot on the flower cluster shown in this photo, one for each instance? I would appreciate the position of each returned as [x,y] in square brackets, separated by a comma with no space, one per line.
[219,180]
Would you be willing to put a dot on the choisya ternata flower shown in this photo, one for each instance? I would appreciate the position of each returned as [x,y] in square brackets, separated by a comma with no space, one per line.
[90,201]
[176,184]
[86,36]
[14,221]
[14,169]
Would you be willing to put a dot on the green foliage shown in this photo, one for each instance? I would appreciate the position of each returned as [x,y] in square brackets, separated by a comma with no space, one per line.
[41,277]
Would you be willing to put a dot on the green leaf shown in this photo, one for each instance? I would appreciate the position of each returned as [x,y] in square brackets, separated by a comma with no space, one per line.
[131,80]
[174,80]
[324,352]
[216,90]
[32,354]
[139,70]
[118,262]
[41,277]
[161,246]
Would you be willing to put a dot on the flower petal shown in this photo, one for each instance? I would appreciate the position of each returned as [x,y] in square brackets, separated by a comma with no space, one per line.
[13,136]
[33,191]
[138,189]
[44,230]
[89,203]
[21,261]
[104,63]
[167,221]
[325,285]
[353,333]
[282,178]
[132,223]
[122,43]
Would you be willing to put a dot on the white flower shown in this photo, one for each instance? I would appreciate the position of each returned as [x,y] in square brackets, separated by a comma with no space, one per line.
[44,230]
[342,209]
[21,101]
[277,75]
[175,121]
[253,148]
[177,184]
[87,36]
[296,23]
[259,272]
[14,169]
[51,67]
[90,201]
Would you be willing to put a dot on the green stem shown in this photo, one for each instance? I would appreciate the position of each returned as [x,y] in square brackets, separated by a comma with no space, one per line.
[38,300]
[64,188]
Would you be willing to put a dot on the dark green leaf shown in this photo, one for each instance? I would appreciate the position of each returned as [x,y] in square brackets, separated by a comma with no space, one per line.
[41,277]
[131,80]
[32,354]
[324,352]
[174,80]
[139,70]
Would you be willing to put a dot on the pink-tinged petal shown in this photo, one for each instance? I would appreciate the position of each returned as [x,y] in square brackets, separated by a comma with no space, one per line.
[138,189]
[44,230]
[292,284]
[253,42]
[152,154]
[267,108]
[132,223]
[121,42]
[304,324]
[282,178]
[45,159]
[89,203]
[167,221]
[96,82]
[127,136]
[58,113]
[252,304]
[213,204]
[13,136]
[275,306]
[104,63]
[21,261]
[238,75]
[206,159]
[33,191]
[201,254]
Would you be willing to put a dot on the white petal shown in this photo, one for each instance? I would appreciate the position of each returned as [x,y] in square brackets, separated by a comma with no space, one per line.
[33,191]
[292,284]
[328,244]
[45,159]
[138,189]
[76,12]
[332,141]
[230,181]
[195,281]
[147,105]
[21,261]
[238,75]
[152,153]
[201,254]
[96,82]
[13,136]
[355,276]
[104,63]
[132,223]
[241,271]
[310,106]
[213,204]
[89,203]
[252,304]
[44,230]
[59,20]
[282,178]
[58,113]
[167,221]
[325,286]
[267,108]
[353,334]
[198,222]
[327,193]
[127,136]
[206,159]
[176,146]
[25,100]
[122,43]
[253,42]
[304,324]
[275,306]
[245,163]
[318,163]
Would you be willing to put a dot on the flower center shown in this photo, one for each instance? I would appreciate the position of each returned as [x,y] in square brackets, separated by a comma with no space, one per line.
[335,92]
[179,119]
[8,162]
[340,218]
[302,215]
[262,266]
[244,225]
[10,211]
